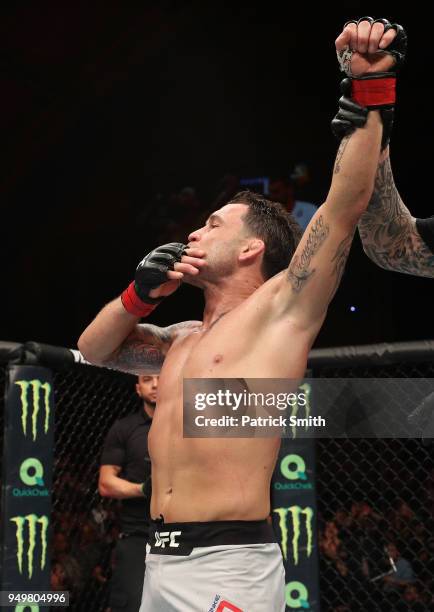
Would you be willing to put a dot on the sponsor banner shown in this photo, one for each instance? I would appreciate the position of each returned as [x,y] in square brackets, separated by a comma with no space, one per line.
[294,520]
[309,408]
[26,482]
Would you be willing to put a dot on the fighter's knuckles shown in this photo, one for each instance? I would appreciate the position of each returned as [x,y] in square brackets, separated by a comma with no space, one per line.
[388,37]
[377,28]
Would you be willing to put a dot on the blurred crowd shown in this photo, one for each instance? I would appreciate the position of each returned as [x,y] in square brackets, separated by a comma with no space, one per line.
[370,560]
[85,531]
[172,216]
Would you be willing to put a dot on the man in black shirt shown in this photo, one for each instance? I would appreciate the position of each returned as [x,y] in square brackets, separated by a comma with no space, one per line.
[125,474]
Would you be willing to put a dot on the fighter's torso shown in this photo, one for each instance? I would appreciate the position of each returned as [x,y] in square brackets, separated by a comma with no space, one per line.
[208,479]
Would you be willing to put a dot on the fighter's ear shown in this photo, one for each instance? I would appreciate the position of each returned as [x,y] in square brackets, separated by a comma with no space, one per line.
[252,248]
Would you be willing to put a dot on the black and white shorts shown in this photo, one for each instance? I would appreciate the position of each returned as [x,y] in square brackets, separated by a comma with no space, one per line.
[222,566]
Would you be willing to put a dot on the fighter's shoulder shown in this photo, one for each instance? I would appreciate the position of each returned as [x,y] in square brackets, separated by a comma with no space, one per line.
[183,328]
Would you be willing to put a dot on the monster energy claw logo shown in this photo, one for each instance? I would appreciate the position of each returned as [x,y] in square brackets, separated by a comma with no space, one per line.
[295,512]
[306,388]
[32,521]
[36,386]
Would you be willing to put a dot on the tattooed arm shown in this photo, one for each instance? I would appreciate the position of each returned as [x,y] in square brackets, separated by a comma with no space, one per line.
[388,231]
[317,266]
[115,339]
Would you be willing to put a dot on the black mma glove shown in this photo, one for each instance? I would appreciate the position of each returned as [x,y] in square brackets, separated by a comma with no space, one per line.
[151,273]
[374,90]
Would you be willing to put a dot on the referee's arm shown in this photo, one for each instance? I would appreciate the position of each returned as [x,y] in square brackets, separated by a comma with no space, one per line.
[392,238]
[111,485]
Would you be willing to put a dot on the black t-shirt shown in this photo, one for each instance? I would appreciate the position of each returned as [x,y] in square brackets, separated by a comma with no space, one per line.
[126,446]
[425,227]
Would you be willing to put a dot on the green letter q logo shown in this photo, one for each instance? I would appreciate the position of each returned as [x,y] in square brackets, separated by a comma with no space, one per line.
[293,474]
[36,478]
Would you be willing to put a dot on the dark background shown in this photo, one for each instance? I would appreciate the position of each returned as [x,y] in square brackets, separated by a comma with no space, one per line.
[105,104]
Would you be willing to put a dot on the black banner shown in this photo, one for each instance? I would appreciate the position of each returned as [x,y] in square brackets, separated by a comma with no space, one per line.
[294,520]
[26,482]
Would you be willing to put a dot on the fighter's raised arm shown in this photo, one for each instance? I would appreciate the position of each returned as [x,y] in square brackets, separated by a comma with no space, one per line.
[391,236]
[318,263]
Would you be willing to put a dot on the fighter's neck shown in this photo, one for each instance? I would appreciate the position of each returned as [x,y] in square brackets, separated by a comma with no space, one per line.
[221,299]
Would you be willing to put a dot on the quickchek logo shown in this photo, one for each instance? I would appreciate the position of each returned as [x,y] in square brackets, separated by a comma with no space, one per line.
[27,528]
[35,395]
[297,596]
[32,472]
[293,469]
[32,475]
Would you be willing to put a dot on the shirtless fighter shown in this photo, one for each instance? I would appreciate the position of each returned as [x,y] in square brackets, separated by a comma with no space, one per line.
[212,548]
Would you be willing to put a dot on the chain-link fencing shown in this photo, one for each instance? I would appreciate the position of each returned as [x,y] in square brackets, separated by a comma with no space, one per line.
[376,508]
[375,497]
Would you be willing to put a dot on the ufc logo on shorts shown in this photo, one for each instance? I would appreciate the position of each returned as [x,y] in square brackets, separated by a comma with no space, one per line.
[166,537]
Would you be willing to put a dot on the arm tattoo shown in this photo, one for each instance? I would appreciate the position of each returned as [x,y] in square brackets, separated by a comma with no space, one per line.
[388,232]
[340,153]
[339,261]
[299,271]
[142,351]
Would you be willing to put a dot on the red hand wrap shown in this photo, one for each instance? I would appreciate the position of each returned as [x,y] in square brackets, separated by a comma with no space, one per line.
[133,304]
[374,92]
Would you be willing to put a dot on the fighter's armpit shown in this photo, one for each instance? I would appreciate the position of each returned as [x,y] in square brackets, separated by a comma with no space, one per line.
[339,261]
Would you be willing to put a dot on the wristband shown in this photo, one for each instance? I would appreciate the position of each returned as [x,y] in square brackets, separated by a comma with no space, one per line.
[375,92]
[133,304]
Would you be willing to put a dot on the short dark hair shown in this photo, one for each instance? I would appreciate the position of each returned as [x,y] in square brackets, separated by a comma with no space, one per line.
[270,222]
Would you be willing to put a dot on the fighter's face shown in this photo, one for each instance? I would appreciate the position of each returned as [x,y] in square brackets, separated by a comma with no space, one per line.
[146,388]
[221,239]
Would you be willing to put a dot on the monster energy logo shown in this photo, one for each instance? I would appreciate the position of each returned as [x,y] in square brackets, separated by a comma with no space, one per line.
[296,512]
[36,386]
[306,388]
[32,521]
